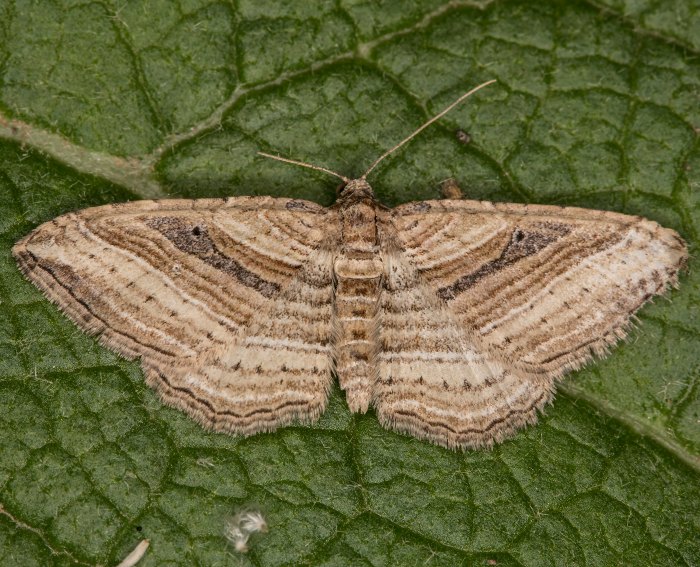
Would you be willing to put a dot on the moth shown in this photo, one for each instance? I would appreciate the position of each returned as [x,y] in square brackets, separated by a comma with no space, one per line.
[454,319]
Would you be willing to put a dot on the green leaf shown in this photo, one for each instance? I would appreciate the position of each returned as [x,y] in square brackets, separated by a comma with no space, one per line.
[596,105]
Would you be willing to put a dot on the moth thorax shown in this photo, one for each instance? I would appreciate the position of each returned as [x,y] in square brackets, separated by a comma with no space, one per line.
[357,188]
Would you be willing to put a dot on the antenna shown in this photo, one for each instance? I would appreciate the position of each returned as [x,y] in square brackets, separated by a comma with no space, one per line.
[428,123]
[388,152]
[304,164]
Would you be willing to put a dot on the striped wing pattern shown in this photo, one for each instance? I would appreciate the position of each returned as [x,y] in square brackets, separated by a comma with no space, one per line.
[503,299]
[452,318]
[437,380]
[193,287]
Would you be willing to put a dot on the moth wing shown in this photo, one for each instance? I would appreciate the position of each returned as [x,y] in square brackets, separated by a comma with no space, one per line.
[436,380]
[544,288]
[186,284]
[484,305]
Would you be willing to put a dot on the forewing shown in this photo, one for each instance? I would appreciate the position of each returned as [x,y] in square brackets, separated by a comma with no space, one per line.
[182,284]
[543,288]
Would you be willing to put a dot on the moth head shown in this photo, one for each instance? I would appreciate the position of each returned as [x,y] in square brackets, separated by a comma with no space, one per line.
[355,189]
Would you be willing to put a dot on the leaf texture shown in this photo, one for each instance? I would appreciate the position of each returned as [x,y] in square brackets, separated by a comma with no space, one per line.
[597,105]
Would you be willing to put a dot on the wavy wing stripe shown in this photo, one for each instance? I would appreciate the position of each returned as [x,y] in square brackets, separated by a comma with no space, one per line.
[109,303]
[436,381]
[179,284]
[158,254]
[562,271]
[197,312]
[494,296]
[525,299]
[284,355]
[245,422]
[264,242]
[479,242]
[56,281]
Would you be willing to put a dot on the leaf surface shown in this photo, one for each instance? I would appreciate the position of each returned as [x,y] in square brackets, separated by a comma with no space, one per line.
[597,105]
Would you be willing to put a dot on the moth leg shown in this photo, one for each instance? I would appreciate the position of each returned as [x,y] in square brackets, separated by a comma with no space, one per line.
[450,189]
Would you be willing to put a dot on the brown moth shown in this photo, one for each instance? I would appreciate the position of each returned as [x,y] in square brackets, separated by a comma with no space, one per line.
[454,319]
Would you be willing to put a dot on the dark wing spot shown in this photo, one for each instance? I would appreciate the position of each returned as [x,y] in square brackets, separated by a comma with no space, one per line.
[197,242]
[522,244]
